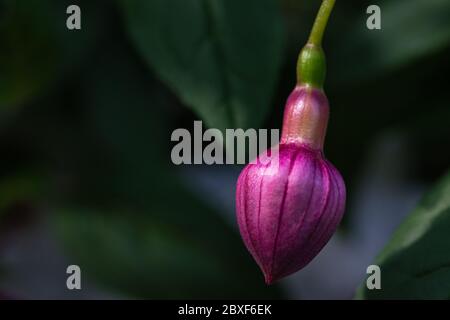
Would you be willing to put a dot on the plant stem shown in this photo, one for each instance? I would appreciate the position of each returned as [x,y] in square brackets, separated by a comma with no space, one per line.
[320,23]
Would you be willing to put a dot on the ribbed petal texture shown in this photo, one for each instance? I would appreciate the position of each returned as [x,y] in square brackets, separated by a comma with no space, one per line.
[289,208]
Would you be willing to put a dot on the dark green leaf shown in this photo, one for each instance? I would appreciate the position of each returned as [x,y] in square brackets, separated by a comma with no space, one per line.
[410,30]
[36,46]
[139,256]
[167,243]
[415,264]
[16,188]
[221,57]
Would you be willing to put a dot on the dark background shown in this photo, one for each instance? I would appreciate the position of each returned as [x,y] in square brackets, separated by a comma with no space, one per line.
[86,118]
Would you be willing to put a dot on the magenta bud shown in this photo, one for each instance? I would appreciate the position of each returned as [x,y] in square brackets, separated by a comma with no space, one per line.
[289,207]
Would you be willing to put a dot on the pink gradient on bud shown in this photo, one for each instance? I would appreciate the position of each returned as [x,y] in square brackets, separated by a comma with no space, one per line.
[306,117]
[288,209]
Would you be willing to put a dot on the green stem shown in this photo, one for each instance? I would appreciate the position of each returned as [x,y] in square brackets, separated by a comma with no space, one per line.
[311,66]
[321,22]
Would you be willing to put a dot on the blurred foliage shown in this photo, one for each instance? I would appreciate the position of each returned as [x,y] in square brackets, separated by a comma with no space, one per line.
[93,143]
[411,30]
[37,50]
[138,255]
[18,188]
[170,244]
[415,263]
[221,58]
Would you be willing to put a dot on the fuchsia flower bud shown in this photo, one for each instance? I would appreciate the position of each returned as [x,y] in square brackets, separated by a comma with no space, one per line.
[288,212]
[289,208]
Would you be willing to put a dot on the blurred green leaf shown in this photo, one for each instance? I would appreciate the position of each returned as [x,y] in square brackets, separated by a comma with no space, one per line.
[221,58]
[138,256]
[37,47]
[415,264]
[150,237]
[20,187]
[128,111]
[410,30]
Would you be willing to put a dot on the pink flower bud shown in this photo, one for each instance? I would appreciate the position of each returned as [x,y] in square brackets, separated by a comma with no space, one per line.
[289,208]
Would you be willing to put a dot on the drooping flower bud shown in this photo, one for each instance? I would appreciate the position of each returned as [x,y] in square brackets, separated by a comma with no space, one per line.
[288,208]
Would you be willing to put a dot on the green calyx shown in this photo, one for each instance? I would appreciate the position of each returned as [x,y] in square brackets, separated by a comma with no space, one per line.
[311,65]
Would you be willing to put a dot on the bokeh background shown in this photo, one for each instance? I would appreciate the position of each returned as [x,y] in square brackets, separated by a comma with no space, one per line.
[86,118]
